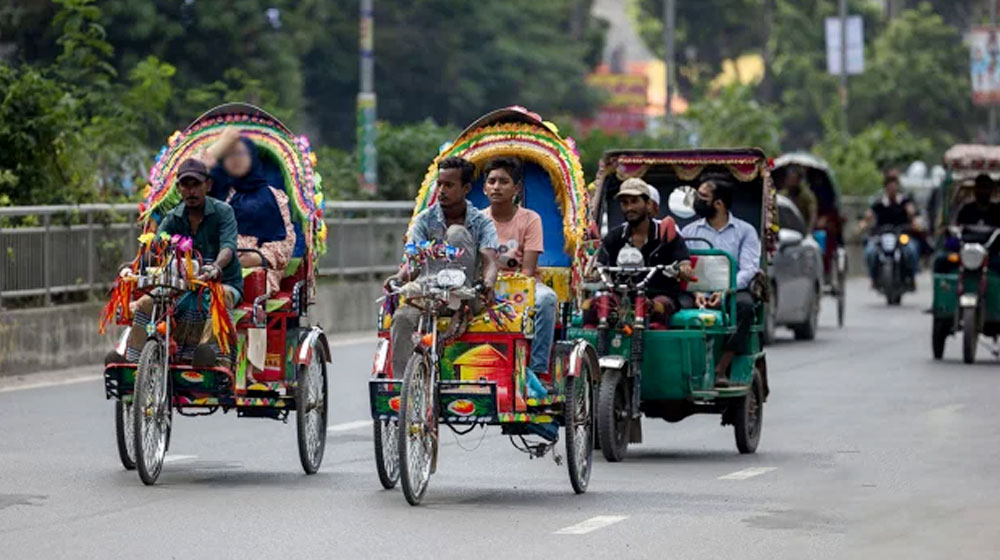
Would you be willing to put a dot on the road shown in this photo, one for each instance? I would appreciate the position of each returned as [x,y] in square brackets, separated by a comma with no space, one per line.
[870,450]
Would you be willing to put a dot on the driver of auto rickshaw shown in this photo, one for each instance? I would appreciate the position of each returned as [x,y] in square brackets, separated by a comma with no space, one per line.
[658,241]
[800,195]
[981,211]
[457,221]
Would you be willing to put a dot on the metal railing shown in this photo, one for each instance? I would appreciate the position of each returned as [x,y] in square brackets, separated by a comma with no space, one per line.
[51,250]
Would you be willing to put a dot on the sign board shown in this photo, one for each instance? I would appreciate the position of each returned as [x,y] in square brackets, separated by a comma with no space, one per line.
[625,103]
[984,50]
[367,160]
[855,45]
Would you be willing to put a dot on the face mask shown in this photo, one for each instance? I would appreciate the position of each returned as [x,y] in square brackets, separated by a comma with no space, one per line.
[704,209]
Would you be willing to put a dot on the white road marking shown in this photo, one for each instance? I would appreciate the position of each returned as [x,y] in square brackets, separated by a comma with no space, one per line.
[747,473]
[348,426]
[592,524]
[70,381]
[178,458]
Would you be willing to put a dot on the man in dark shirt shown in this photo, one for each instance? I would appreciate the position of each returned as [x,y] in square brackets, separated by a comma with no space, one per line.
[210,223]
[981,211]
[659,243]
[891,209]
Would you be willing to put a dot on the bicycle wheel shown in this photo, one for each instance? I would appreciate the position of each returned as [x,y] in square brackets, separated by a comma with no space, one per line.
[311,410]
[387,451]
[416,429]
[125,434]
[579,420]
[152,411]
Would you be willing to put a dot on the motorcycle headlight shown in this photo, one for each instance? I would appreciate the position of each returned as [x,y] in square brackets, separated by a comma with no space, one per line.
[450,278]
[888,241]
[972,255]
[630,256]
[904,239]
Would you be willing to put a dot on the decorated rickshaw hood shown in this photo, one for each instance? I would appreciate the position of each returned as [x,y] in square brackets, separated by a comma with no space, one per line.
[270,135]
[745,164]
[516,132]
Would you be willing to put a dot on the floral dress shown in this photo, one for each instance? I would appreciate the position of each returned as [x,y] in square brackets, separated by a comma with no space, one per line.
[276,253]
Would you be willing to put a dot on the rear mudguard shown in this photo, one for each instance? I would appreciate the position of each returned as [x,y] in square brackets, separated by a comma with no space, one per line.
[582,350]
[303,352]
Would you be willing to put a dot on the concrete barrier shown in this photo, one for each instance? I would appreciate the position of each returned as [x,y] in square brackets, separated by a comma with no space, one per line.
[47,338]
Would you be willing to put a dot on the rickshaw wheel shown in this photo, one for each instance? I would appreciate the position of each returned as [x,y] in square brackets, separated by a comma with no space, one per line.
[311,409]
[387,452]
[125,434]
[152,411]
[579,421]
[416,428]
[970,335]
[941,330]
[748,416]
[841,297]
[613,418]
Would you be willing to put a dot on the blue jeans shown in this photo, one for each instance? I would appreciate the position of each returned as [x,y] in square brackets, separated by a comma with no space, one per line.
[911,257]
[546,302]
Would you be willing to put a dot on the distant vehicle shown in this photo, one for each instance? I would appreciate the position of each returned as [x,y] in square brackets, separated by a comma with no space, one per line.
[796,277]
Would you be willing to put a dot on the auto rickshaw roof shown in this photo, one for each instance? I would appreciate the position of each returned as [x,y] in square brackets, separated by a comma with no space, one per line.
[973,158]
[517,132]
[803,159]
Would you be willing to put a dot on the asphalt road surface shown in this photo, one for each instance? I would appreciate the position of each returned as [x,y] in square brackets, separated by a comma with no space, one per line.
[870,449]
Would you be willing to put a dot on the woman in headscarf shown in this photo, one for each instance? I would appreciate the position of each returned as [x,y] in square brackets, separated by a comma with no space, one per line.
[263,219]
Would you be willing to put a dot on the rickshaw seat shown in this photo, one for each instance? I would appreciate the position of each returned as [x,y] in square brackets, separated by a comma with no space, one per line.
[696,318]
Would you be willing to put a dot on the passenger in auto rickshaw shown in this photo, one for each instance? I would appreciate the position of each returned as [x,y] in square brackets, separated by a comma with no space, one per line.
[521,242]
[658,241]
[211,225]
[738,238]
[452,218]
[262,213]
[803,197]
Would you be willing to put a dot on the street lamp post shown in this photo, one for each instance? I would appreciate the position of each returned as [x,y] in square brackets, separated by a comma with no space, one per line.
[367,155]
[843,67]
[669,40]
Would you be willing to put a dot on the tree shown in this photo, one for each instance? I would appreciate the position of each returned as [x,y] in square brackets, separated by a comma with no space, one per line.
[733,118]
[917,73]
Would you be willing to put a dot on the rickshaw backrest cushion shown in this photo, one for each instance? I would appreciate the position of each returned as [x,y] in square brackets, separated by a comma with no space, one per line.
[275,178]
[540,197]
[713,273]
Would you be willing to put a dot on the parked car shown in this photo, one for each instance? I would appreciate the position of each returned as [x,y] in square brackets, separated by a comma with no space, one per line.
[796,277]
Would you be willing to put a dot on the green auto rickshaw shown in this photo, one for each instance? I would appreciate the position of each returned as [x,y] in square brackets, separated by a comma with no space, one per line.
[668,371]
[966,278]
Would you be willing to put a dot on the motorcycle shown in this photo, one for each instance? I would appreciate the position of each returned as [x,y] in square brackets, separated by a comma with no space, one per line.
[893,277]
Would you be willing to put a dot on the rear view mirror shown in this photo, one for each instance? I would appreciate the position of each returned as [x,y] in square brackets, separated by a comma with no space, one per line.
[681,202]
[789,237]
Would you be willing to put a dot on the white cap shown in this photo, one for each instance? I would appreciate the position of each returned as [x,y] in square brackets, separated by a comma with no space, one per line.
[654,194]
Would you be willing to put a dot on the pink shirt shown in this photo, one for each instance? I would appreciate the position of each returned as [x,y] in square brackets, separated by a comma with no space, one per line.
[521,233]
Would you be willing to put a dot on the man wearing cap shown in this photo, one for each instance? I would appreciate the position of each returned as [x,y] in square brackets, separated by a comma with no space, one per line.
[212,225]
[654,202]
[659,244]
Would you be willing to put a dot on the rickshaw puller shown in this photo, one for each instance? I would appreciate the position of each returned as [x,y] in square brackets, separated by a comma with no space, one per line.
[453,219]
[657,240]
[212,226]
[738,238]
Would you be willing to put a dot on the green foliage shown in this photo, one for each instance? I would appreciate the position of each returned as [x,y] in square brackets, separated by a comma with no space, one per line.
[917,74]
[404,152]
[733,118]
[858,162]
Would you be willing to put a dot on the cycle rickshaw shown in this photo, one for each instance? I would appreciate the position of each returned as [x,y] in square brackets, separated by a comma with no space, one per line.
[272,333]
[476,377]
[829,228]
[668,371]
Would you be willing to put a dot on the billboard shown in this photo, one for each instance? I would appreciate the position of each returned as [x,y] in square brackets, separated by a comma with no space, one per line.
[624,108]
[984,50]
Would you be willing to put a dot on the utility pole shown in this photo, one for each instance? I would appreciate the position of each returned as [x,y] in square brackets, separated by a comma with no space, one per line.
[993,108]
[367,155]
[670,56]
[843,67]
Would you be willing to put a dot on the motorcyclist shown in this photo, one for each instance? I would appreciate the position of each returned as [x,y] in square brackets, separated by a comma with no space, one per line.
[892,209]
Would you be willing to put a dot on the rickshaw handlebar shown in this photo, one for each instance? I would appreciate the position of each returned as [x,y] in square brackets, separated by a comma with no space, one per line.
[669,271]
